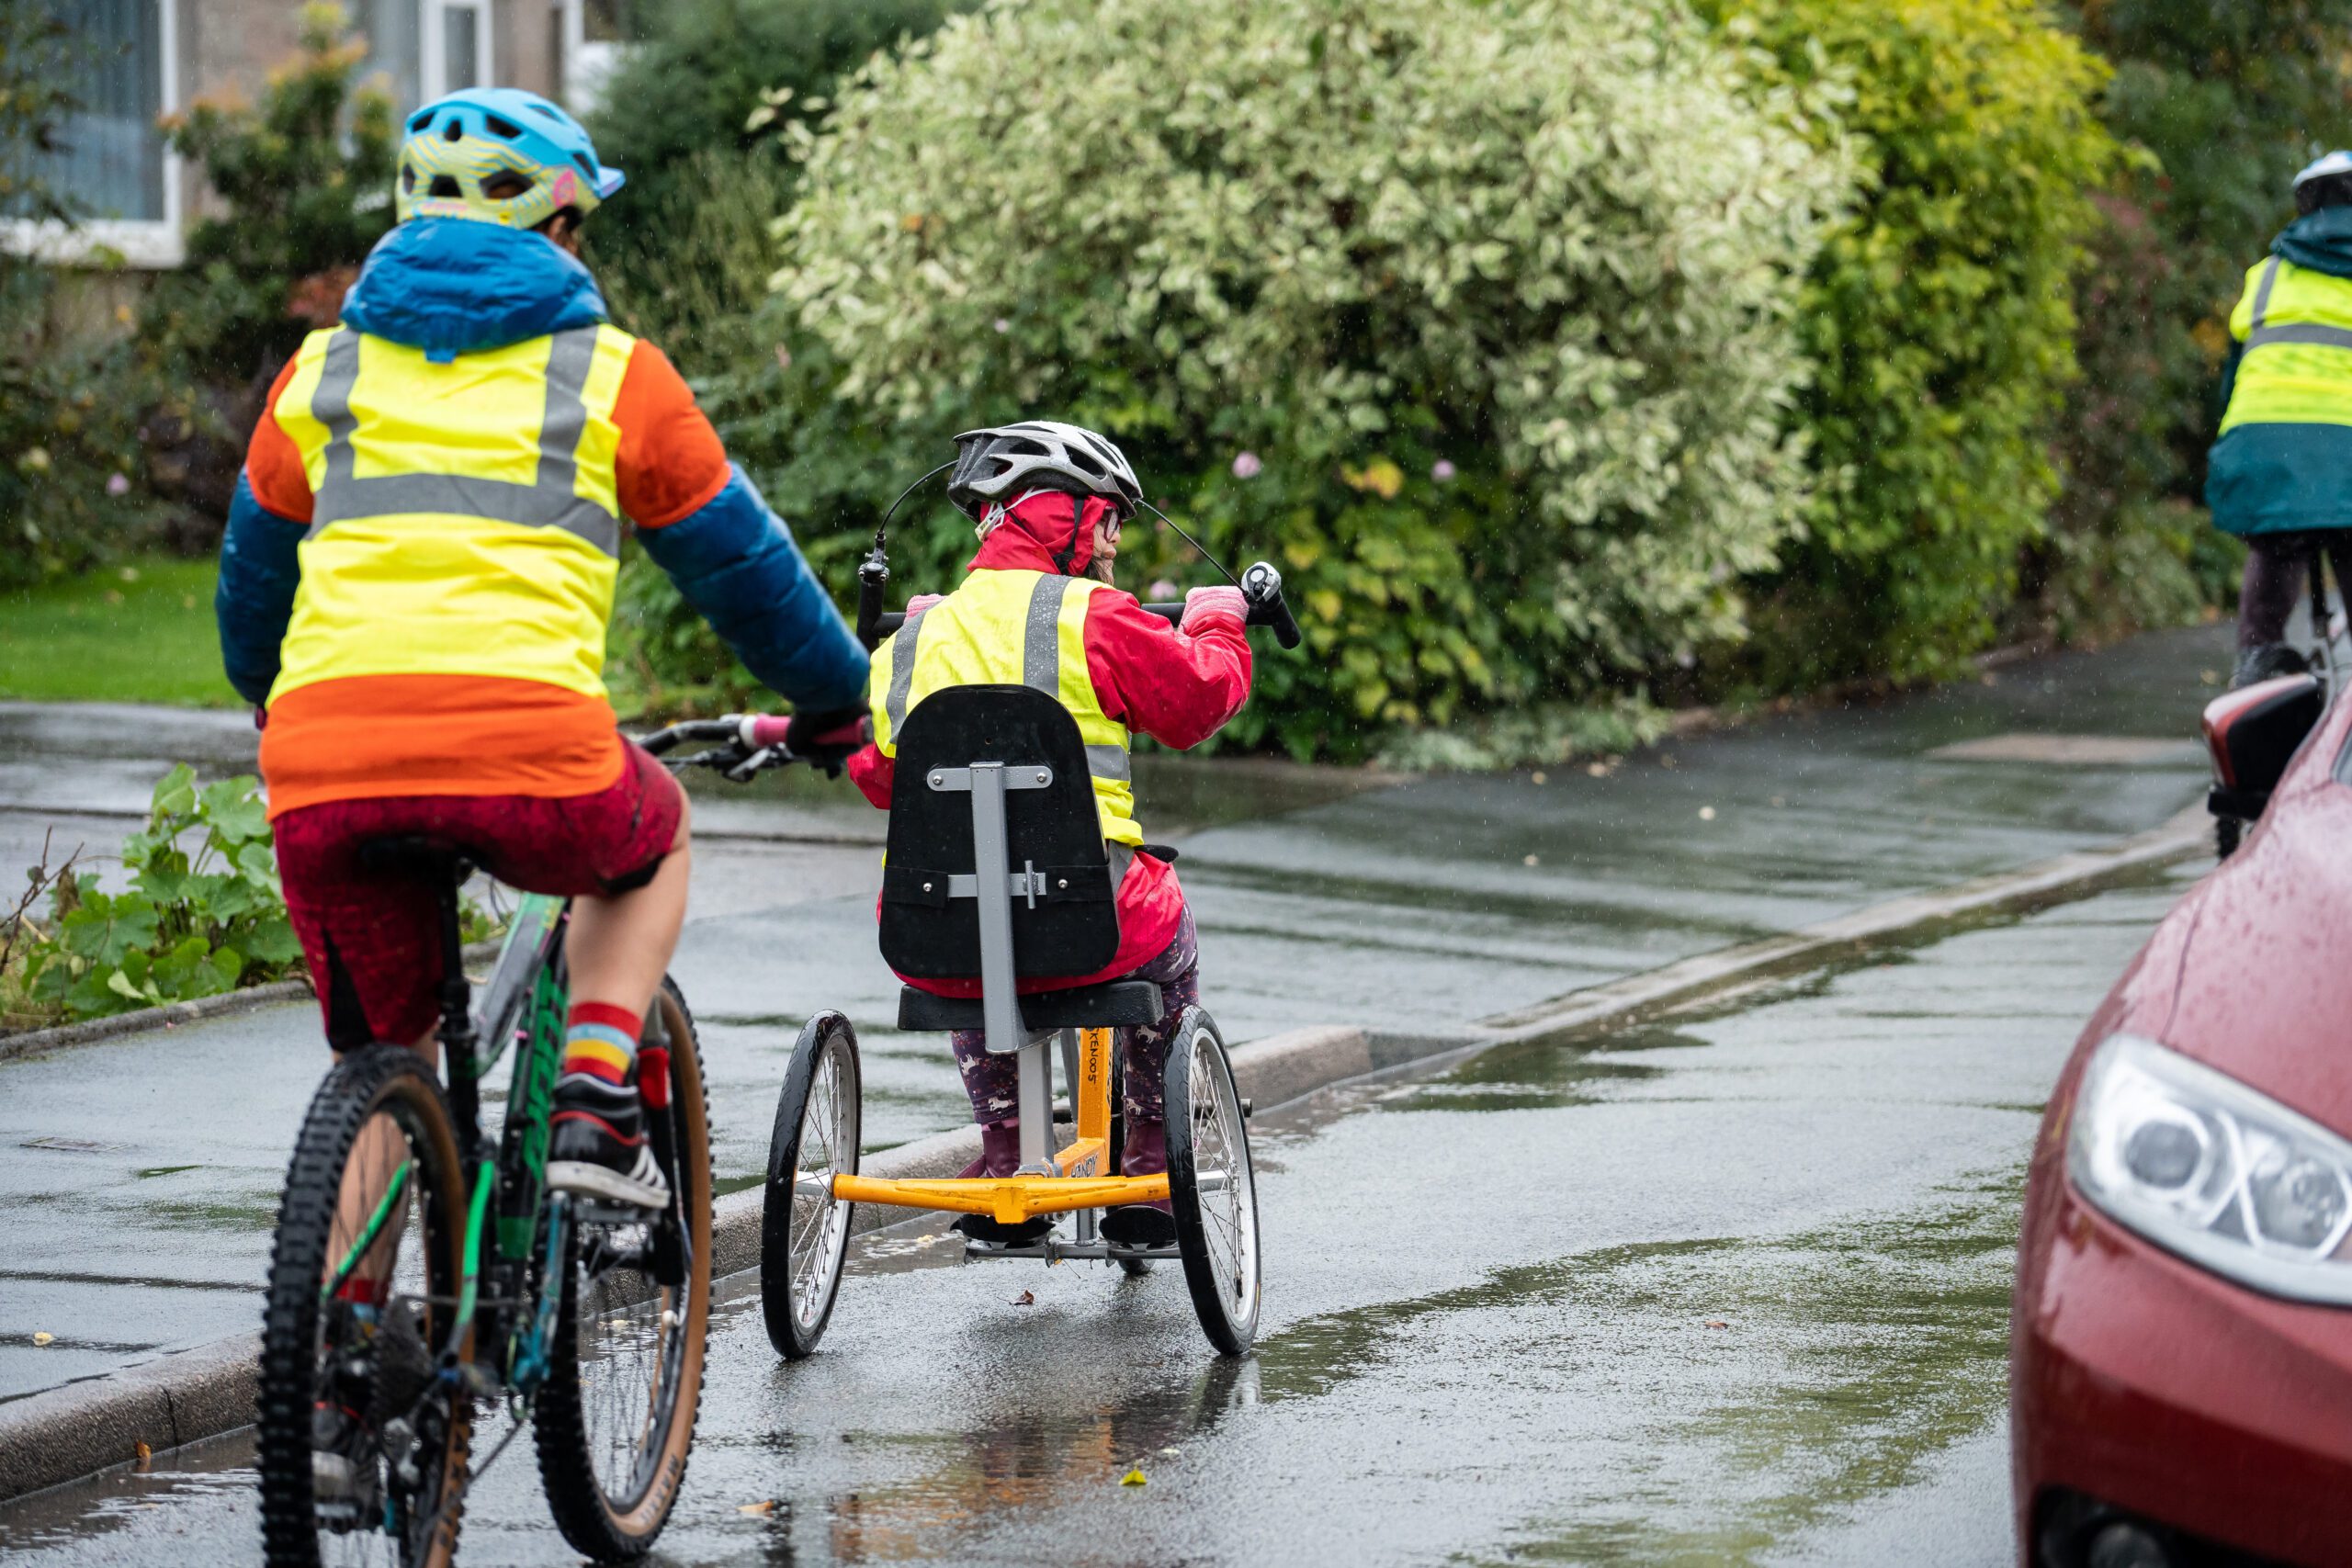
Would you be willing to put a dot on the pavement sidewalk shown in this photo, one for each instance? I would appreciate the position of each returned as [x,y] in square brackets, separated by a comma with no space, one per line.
[142,1173]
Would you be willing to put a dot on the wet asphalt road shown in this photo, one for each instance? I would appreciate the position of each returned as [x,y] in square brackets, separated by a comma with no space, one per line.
[1731,1287]
[141,1176]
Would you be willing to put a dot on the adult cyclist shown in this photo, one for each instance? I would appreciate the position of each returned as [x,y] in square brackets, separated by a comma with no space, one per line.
[2281,473]
[416,584]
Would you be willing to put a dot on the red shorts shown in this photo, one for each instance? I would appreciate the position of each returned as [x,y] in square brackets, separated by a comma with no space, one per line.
[374,941]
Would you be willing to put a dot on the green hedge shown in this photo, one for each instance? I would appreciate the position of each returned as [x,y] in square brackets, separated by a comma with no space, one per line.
[2222,102]
[1755,385]
[694,115]
[1939,318]
[1482,329]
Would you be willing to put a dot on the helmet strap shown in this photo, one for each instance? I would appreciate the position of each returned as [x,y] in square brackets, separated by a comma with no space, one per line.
[1068,552]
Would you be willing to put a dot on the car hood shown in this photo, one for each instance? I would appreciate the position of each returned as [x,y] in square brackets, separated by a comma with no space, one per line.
[2252,973]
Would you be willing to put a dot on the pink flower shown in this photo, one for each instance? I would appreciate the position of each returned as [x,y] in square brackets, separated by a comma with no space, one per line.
[1247,467]
[1162,591]
[117,484]
[1442,471]
[1002,325]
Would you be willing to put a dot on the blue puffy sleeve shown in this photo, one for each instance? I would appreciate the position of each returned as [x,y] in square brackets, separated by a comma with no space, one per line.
[734,560]
[260,567]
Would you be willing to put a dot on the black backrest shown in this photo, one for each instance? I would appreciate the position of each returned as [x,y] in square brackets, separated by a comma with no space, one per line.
[1073,928]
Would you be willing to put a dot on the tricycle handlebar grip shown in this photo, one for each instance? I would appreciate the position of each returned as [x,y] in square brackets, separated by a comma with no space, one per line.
[873,577]
[1262,585]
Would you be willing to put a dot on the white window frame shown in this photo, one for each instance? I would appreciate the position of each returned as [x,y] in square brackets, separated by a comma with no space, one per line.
[586,62]
[149,243]
[432,70]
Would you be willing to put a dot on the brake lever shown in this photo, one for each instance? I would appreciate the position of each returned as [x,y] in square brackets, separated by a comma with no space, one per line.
[750,767]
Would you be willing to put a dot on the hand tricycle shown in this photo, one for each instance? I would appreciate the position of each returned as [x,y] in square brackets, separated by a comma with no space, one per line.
[997,872]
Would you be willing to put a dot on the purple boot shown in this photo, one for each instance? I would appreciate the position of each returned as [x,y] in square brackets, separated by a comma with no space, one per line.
[1142,1224]
[999,1151]
[999,1158]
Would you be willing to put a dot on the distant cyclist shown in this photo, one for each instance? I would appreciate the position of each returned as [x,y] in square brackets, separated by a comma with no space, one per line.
[417,579]
[2281,472]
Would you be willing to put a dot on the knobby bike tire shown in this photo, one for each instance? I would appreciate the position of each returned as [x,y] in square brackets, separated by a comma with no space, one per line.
[388,1078]
[604,1527]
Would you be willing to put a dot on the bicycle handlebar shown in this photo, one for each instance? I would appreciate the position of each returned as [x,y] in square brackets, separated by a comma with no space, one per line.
[1261,588]
[751,743]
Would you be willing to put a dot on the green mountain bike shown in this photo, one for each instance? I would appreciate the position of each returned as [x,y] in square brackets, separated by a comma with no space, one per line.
[422,1269]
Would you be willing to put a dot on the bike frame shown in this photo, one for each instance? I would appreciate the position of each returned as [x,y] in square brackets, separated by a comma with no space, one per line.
[525,1000]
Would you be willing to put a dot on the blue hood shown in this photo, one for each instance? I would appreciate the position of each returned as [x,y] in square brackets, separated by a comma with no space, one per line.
[450,285]
[2321,241]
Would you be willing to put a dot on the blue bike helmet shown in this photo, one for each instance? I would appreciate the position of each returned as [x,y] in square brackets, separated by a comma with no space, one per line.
[455,145]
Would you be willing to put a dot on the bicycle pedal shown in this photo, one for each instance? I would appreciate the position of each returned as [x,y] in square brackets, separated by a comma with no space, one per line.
[479,1381]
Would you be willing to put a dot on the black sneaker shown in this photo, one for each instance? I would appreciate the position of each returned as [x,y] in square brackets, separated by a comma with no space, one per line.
[1138,1225]
[2267,662]
[981,1227]
[346,1481]
[598,1149]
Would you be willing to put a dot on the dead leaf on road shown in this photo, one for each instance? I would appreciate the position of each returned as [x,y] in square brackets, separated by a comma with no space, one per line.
[1025,1299]
[765,1505]
[1132,1478]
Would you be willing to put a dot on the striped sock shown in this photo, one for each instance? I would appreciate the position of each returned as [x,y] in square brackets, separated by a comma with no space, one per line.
[600,1042]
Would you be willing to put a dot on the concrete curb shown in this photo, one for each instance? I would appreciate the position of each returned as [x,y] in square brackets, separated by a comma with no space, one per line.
[64,1434]
[32,1042]
[171,1014]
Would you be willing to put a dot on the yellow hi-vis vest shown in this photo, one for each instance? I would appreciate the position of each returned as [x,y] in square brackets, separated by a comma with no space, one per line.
[2297,327]
[467,519]
[1011,628]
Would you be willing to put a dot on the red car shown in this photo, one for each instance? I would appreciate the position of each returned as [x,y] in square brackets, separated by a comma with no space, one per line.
[2181,1334]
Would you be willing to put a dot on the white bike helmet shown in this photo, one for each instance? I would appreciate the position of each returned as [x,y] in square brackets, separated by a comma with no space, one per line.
[1002,463]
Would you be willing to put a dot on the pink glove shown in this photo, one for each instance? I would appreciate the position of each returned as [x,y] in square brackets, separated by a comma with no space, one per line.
[1203,605]
[922,602]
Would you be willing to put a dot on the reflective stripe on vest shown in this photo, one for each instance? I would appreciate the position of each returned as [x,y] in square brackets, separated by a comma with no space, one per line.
[1011,628]
[466,517]
[2296,325]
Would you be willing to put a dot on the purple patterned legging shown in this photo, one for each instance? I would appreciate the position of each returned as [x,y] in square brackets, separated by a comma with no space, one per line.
[994,1081]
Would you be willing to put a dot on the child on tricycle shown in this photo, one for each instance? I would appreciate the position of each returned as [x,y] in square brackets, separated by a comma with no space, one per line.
[1037,607]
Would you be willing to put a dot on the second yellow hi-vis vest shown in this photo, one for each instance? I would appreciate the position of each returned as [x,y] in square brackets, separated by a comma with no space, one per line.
[2297,327]
[467,518]
[1011,628]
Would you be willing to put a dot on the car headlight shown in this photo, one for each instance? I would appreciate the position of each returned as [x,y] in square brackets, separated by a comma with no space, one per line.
[2205,1166]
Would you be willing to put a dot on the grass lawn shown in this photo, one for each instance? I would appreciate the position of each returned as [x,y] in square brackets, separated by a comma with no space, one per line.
[140,632]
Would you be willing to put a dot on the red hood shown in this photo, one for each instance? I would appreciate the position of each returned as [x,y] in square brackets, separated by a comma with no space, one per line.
[1035,533]
[2252,973]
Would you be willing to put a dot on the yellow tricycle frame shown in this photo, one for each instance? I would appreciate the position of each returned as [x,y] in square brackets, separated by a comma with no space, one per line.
[1078,1178]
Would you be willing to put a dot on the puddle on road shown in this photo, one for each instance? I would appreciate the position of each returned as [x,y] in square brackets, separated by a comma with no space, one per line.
[1793,1376]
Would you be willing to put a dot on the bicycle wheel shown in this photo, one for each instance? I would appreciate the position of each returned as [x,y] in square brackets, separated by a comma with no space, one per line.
[804,1238]
[1210,1186]
[616,1420]
[362,1447]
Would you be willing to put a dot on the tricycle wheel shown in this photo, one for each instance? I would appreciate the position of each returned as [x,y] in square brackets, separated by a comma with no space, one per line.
[804,1235]
[1210,1186]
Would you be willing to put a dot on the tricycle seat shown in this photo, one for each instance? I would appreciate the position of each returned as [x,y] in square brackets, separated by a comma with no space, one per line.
[1115,1004]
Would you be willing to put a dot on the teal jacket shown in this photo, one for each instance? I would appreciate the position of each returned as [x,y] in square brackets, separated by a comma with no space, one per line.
[2273,478]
